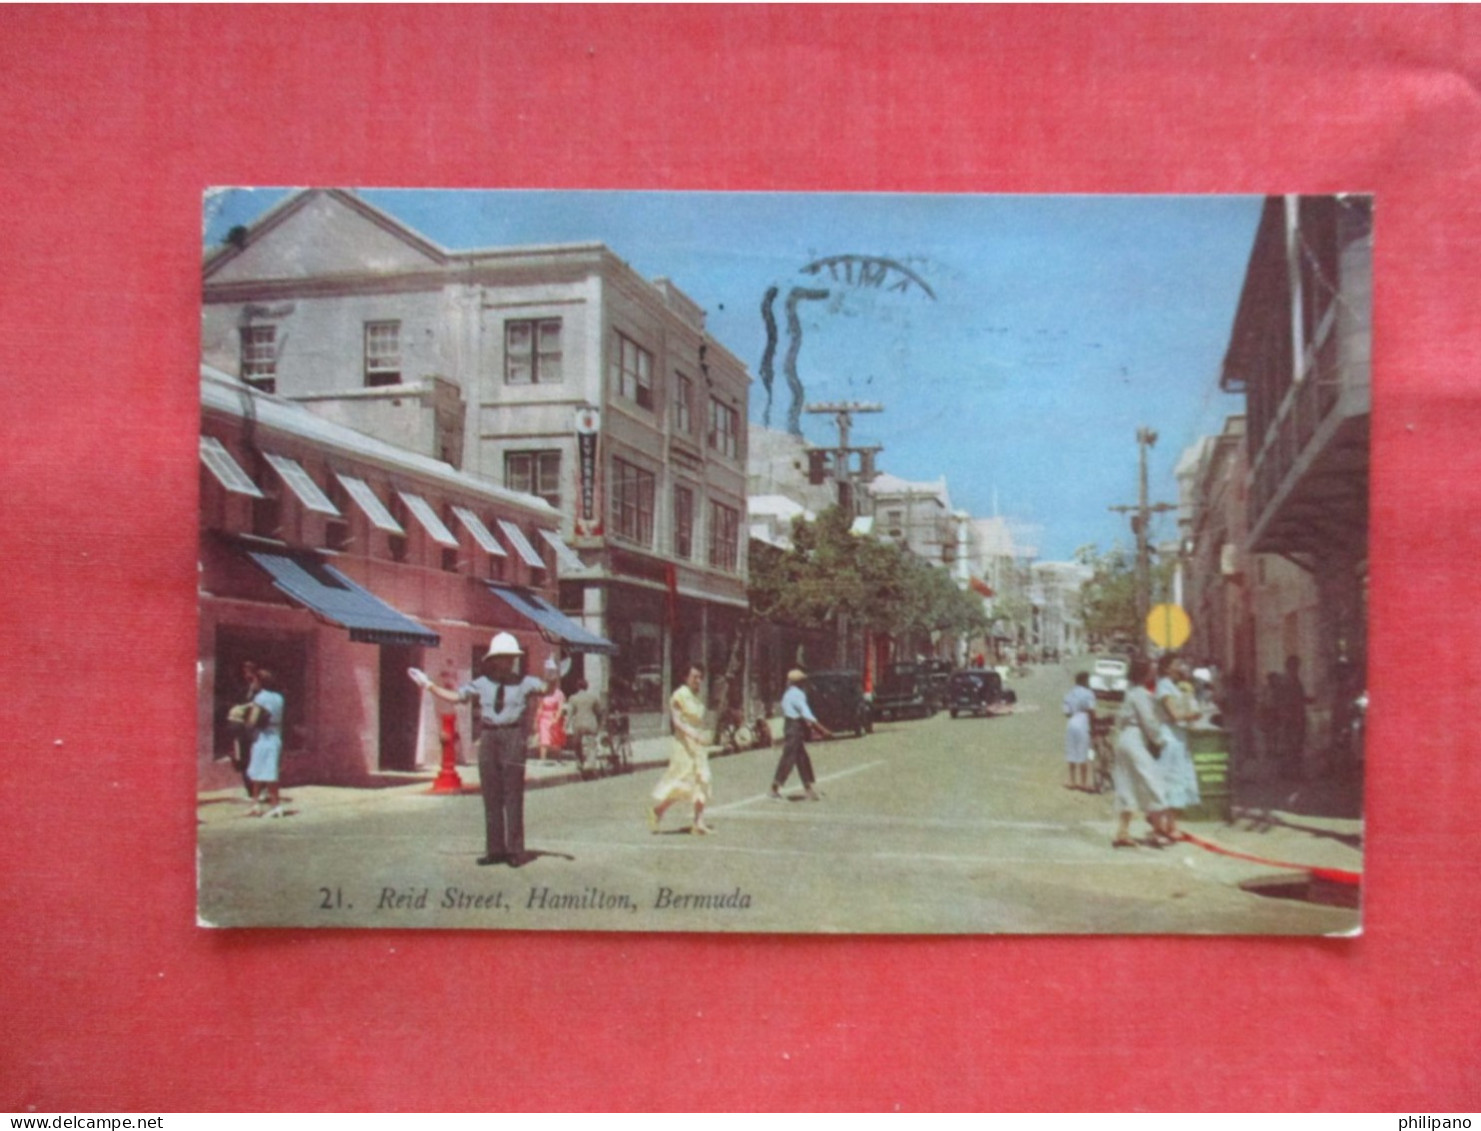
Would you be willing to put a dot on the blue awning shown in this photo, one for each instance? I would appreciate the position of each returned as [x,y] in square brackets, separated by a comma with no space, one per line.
[554,625]
[329,594]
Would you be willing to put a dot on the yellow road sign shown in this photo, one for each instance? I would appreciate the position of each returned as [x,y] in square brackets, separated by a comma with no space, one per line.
[1168,626]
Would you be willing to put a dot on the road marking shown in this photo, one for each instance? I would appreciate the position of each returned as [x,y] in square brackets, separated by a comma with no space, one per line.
[712,846]
[728,807]
[836,818]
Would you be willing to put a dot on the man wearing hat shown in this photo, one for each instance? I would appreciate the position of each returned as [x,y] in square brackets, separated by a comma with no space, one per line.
[796,715]
[503,739]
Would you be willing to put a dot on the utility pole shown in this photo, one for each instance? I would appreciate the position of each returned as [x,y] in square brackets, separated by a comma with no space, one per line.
[843,474]
[1141,521]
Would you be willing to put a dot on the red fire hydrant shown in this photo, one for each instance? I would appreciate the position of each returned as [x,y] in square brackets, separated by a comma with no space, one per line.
[448,780]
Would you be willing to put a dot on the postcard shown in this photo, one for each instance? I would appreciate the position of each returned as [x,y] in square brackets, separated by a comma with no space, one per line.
[782,562]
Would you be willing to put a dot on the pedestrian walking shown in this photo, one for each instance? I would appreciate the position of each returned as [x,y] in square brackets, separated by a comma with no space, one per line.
[1179,777]
[267,746]
[688,775]
[550,715]
[1079,708]
[583,722]
[1134,771]
[503,698]
[797,716]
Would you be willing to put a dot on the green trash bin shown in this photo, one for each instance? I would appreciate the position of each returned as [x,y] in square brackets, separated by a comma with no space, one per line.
[1209,748]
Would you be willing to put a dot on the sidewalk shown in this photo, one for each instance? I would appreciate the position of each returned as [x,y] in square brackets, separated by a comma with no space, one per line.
[217,805]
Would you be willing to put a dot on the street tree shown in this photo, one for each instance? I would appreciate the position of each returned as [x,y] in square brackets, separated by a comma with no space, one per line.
[1108,604]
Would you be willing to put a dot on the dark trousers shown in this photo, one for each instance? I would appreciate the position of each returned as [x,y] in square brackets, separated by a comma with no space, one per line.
[501,774]
[794,753]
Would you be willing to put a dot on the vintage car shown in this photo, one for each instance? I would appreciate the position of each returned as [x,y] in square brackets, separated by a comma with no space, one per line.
[838,700]
[1108,677]
[937,673]
[905,690]
[977,691]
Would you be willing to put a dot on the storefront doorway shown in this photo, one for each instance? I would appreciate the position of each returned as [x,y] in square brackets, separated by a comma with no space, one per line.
[400,707]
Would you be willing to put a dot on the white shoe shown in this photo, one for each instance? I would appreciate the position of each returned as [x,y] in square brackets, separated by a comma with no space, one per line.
[277,811]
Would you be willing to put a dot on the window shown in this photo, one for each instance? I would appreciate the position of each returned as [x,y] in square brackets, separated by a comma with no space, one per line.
[260,357]
[684,405]
[532,351]
[724,536]
[632,502]
[683,522]
[632,372]
[724,428]
[399,544]
[382,353]
[534,473]
[337,529]
[267,508]
[449,553]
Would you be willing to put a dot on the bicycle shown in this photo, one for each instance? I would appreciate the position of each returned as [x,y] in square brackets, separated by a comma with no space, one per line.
[615,744]
[733,734]
[1101,729]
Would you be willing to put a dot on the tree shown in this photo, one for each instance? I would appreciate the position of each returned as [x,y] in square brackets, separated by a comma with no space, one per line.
[831,573]
[1108,599]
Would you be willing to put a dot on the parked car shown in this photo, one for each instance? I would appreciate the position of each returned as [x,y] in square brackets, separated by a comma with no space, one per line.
[937,673]
[903,690]
[977,691]
[838,701]
[1108,677]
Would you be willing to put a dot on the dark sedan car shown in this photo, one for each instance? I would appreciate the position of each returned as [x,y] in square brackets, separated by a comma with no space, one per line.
[977,691]
[837,699]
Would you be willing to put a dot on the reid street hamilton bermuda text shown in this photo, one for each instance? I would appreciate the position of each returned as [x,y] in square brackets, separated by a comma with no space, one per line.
[547,899]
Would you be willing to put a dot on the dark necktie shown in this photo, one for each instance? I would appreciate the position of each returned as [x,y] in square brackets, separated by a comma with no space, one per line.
[499,701]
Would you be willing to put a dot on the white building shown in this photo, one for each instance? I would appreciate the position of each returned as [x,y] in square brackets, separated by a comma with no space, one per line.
[552,370]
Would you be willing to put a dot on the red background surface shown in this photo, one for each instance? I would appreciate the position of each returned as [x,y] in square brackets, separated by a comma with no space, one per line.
[115,119]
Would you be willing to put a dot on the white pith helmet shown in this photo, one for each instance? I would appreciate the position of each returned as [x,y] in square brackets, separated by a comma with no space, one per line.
[504,644]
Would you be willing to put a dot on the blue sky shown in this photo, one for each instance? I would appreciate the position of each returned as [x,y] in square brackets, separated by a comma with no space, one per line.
[1055,328]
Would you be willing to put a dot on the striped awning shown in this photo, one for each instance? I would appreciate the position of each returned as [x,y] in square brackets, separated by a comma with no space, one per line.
[333,597]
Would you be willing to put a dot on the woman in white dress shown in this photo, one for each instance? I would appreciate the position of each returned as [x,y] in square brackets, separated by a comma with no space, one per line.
[267,746]
[688,775]
[1135,771]
[1179,777]
[1079,705]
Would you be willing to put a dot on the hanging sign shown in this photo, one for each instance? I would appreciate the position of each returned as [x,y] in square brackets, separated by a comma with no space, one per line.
[588,508]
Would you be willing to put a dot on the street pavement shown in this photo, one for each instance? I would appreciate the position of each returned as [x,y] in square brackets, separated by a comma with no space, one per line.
[926,826]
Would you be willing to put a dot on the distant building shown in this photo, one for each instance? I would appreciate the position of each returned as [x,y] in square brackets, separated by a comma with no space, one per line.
[556,371]
[1059,626]
[916,516]
[339,561]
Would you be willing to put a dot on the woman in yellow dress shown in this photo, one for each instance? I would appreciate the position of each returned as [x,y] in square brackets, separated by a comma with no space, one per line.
[688,775]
